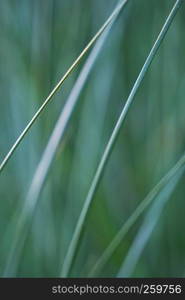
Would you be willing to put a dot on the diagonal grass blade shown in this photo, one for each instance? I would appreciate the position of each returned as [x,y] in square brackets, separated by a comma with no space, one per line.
[75,242]
[147,227]
[50,96]
[41,172]
[178,167]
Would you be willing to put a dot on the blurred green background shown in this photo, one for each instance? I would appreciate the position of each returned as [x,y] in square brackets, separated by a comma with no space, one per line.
[38,42]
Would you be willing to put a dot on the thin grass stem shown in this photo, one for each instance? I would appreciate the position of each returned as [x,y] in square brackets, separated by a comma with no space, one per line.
[135,216]
[59,84]
[76,238]
[148,225]
[40,175]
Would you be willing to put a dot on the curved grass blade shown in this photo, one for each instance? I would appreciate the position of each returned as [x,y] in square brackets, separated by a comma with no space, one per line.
[147,227]
[136,214]
[75,242]
[64,118]
[48,99]
[41,172]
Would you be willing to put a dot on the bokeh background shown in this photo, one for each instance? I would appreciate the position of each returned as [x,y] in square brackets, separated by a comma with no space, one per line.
[38,42]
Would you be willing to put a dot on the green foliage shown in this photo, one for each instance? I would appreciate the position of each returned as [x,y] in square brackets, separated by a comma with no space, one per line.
[44,185]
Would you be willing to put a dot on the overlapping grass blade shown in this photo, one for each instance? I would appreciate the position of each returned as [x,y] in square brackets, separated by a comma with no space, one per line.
[147,227]
[178,168]
[76,239]
[49,154]
[50,96]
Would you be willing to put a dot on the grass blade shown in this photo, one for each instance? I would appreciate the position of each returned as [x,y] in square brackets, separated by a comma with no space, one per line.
[42,170]
[136,214]
[75,242]
[61,125]
[50,96]
[146,229]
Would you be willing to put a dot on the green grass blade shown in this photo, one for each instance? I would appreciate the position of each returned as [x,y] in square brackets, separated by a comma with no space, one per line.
[75,242]
[136,214]
[42,170]
[50,96]
[61,125]
[147,227]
